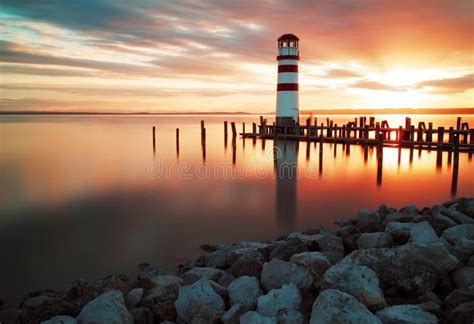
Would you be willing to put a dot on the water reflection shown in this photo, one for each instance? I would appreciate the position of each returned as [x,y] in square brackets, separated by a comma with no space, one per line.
[285,158]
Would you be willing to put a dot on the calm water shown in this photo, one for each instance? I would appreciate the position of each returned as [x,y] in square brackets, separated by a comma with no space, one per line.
[86,196]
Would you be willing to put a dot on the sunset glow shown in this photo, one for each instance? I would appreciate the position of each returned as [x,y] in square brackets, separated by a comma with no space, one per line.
[186,56]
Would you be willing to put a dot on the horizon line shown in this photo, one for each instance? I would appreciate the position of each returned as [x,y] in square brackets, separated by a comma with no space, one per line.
[344,111]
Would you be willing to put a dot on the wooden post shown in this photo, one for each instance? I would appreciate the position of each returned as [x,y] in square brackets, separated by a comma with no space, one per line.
[406,135]
[366,134]
[308,128]
[234,130]
[412,134]
[471,136]
[154,141]
[419,133]
[372,121]
[454,181]
[202,128]
[458,123]
[400,135]
[379,145]
[243,128]
[377,131]
[440,137]
[450,136]
[177,140]
[225,129]
[254,129]
[429,134]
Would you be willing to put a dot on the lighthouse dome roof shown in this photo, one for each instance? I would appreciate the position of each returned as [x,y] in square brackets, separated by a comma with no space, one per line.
[288,37]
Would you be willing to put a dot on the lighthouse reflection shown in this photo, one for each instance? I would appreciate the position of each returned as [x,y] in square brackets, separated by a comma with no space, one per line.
[286,171]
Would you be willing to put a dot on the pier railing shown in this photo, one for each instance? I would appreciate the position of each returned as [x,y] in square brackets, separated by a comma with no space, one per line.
[369,132]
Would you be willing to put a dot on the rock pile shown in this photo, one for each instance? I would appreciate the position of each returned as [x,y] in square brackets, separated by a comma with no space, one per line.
[384,266]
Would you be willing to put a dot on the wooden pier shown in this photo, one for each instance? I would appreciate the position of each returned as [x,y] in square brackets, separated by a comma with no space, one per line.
[371,133]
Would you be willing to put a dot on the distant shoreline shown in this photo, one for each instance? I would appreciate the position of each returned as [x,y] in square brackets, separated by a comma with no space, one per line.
[388,111]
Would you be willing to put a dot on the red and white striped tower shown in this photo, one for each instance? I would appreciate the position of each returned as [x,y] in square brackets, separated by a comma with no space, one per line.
[287,108]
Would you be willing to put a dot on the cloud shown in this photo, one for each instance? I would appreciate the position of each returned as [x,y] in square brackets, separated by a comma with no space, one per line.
[341,73]
[453,85]
[375,85]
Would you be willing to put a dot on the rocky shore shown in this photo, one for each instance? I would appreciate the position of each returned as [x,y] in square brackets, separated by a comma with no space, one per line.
[386,266]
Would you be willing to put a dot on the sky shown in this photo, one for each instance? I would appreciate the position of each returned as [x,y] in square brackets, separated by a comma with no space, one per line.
[220,55]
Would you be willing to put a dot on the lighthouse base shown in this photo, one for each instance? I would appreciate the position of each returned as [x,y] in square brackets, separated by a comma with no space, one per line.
[285,121]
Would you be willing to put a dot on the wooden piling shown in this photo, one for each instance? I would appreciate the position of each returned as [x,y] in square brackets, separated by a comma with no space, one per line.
[234,130]
[177,140]
[440,137]
[458,123]
[243,128]
[225,129]
[202,128]
[254,129]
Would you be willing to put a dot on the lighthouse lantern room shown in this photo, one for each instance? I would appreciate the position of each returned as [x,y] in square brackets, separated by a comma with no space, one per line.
[287,107]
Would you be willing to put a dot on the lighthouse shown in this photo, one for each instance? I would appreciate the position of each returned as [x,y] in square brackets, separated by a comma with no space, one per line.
[287,107]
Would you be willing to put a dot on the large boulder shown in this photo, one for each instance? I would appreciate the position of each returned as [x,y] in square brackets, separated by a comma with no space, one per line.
[216,275]
[283,303]
[437,219]
[161,298]
[407,314]
[463,313]
[285,250]
[197,300]
[253,317]
[423,233]
[412,267]
[61,319]
[232,316]
[457,216]
[334,306]
[358,281]
[245,291]
[461,241]
[459,296]
[331,246]
[399,231]
[315,262]
[277,272]
[463,277]
[374,240]
[224,256]
[134,297]
[106,308]
[248,263]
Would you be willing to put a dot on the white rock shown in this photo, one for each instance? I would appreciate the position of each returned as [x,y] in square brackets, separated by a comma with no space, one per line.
[334,306]
[60,319]
[358,281]
[456,233]
[423,233]
[245,291]
[253,317]
[198,295]
[277,272]
[283,303]
[406,314]
[374,240]
[134,297]
[106,308]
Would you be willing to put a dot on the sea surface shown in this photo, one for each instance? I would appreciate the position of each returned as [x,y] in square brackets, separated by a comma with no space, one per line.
[87,196]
